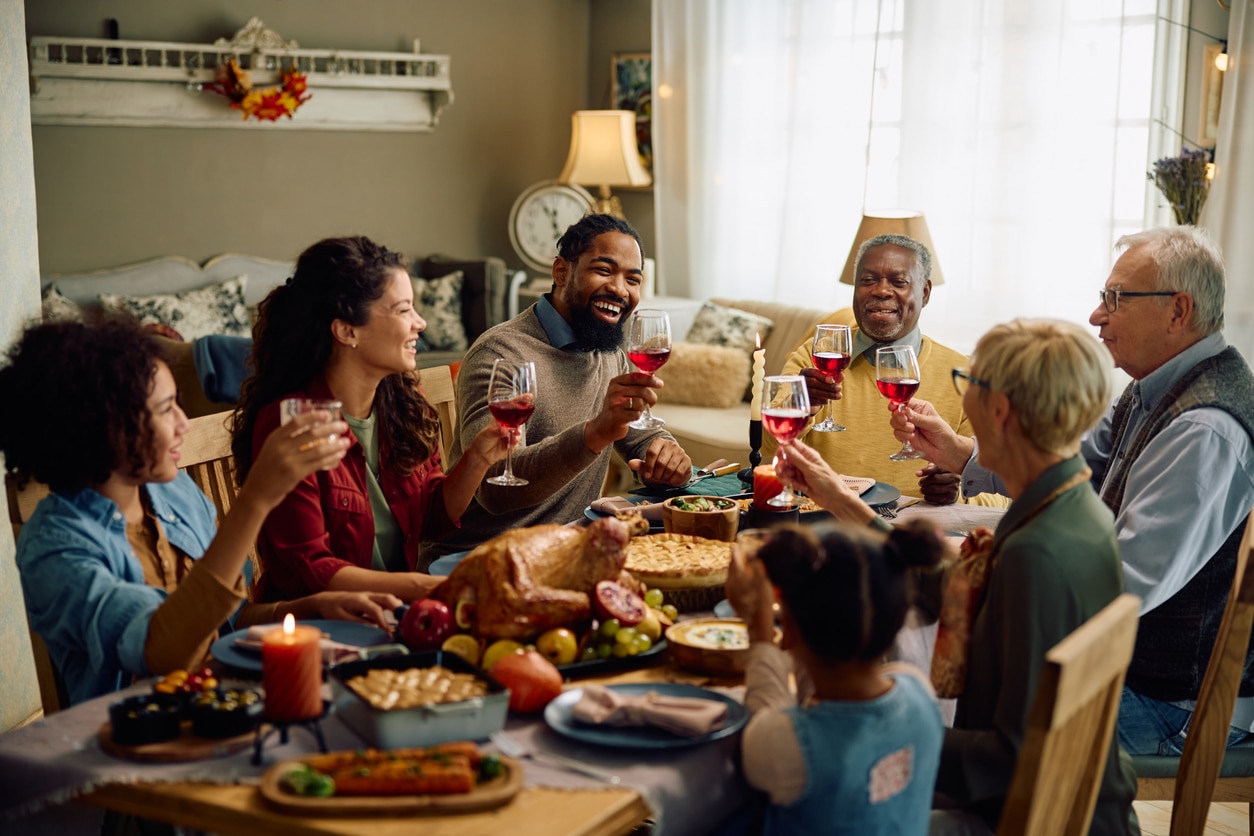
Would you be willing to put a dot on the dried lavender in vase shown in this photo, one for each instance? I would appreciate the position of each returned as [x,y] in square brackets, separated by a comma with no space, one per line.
[1183,181]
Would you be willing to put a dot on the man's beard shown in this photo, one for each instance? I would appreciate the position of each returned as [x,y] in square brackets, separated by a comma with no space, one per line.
[592,334]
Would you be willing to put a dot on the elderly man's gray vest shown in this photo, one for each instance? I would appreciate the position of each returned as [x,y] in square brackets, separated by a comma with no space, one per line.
[1175,639]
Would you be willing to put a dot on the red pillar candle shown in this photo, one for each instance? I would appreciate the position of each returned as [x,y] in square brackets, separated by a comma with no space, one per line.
[291,672]
[765,484]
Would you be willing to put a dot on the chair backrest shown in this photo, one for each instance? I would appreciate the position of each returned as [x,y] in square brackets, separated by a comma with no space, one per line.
[206,456]
[1063,759]
[437,385]
[1207,740]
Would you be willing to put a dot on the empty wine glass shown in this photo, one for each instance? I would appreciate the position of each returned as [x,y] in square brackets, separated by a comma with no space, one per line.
[831,352]
[897,376]
[511,400]
[649,347]
[785,411]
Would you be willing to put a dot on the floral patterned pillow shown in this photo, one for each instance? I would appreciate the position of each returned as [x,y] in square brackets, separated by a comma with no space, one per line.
[439,301]
[214,309]
[732,327]
[57,306]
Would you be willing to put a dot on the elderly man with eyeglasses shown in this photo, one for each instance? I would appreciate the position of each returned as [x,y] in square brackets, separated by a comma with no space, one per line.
[1174,462]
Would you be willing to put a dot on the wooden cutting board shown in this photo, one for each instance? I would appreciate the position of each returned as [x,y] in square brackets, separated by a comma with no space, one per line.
[185,747]
[485,796]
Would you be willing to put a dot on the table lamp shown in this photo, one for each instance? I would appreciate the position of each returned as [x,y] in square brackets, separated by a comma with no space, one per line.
[603,153]
[908,222]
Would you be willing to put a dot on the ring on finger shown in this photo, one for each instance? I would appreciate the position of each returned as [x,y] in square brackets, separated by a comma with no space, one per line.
[309,445]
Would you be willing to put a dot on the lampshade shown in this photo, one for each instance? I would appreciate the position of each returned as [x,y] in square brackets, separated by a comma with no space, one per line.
[603,153]
[908,222]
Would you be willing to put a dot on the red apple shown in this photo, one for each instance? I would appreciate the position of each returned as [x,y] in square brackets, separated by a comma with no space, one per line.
[426,624]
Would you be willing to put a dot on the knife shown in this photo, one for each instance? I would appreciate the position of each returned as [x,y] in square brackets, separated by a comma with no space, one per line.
[710,470]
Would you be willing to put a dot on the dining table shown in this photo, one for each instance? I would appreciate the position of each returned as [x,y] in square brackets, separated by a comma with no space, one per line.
[56,777]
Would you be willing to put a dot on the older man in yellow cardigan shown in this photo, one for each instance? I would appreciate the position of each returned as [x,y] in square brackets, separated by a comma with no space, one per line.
[892,284]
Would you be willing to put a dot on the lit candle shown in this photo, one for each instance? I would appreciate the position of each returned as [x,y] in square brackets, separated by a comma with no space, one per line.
[759,370]
[765,484]
[291,672]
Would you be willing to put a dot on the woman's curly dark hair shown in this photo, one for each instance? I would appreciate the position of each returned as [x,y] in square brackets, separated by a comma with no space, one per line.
[336,278]
[76,398]
[847,588]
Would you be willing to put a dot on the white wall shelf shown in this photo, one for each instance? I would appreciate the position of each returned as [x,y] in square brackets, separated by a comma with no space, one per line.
[91,81]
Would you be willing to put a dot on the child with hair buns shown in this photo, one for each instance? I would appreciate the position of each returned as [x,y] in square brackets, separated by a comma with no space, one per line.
[857,749]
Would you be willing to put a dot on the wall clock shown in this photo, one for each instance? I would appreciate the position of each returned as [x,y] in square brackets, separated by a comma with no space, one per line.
[539,217]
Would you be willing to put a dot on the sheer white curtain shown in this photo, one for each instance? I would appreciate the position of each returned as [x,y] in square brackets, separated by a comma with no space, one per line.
[1019,129]
[1231,203]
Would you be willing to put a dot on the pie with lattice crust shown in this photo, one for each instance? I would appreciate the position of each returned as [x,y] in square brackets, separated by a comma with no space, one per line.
[678,561]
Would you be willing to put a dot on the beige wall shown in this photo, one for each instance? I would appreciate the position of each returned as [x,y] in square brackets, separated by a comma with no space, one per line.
[108,196]
[19,691]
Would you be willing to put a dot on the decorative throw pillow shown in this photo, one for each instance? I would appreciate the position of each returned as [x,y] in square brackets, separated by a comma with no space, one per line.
[439,301]
[214,309]
[717,325]
[704,375]
[57,306]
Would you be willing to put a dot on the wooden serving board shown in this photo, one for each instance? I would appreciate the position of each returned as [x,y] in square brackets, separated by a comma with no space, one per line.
[185,747]
[485,796]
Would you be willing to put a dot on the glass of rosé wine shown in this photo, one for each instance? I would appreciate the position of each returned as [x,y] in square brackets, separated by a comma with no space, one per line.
[649,347]
[897,376]
[831,351]
[785,413]
[511,400]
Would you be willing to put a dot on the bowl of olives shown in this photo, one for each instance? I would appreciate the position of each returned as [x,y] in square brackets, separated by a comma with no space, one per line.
[225,712]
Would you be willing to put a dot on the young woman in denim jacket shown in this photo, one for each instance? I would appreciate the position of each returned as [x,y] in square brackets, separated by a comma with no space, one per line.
[123,570]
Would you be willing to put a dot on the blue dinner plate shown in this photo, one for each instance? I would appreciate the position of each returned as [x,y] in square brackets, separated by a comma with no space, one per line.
[443,566]
[558,716]
[881,493]
[723,609]
[345,632]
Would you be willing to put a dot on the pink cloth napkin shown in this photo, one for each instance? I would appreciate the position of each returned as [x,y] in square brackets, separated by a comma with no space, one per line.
[609,504]
[684,716]
[333,652]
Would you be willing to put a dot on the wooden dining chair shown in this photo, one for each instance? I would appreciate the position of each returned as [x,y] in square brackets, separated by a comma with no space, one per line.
[437,385]
[1207,770]
[1063,759]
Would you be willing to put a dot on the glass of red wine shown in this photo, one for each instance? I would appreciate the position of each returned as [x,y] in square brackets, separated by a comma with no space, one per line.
[511,400]
[897,376]
[831,352]
[649,347]
[785,413]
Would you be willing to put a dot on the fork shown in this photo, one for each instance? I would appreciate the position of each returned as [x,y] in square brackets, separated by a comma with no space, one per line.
[515,749]
[888,512]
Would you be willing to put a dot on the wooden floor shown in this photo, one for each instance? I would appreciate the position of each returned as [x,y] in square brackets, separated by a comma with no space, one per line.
[1224,819]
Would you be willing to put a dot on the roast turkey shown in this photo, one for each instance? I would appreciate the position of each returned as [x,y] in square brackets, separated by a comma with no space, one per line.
[529,580]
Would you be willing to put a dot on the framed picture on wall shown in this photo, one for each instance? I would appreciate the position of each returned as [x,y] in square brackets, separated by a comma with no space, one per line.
[1212,91]
[631,88]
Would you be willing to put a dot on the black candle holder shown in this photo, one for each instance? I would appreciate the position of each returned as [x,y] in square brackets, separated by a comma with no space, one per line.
[755,443]
[313,725]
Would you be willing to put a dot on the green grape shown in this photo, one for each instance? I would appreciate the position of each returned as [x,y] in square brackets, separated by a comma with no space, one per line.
[609,628]
[670,611]
[654,598]
[604,650]
[621,650]
[642,643]
[626,636]
[589,653]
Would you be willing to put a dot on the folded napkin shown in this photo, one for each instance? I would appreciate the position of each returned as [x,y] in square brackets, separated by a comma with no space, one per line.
[858,484]
[609,504]
[683,716]
[332,651]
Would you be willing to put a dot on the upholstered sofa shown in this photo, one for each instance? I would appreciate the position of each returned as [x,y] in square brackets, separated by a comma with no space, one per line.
[461,298]
[710,432]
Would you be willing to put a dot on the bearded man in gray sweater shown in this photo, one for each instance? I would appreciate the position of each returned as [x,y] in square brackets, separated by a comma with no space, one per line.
[586,391]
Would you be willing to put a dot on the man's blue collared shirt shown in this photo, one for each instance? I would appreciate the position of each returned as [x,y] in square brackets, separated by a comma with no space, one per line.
[84,586]
[558,330]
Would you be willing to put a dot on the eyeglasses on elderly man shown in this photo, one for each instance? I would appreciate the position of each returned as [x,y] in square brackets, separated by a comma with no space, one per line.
[1110,298]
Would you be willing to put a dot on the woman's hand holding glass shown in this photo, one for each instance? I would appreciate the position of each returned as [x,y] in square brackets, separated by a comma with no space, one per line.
[785,412]
[805,470]
[511,400]
[307,443]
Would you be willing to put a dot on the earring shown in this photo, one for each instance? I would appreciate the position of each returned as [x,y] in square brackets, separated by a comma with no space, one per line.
[354,345]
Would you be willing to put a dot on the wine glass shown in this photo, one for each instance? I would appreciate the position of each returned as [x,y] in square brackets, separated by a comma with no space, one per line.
[897,376]
[831,352]
[785,413]
[511,400]
[649,347]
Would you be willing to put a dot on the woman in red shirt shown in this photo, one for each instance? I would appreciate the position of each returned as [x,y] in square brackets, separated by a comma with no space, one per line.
[344,328]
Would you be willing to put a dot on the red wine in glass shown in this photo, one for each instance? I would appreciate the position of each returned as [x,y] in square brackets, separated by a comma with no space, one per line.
[514,413]
[831,364]
[649,359]
[785,424]
[831,352]
[898,391]
[897,376]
